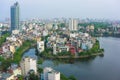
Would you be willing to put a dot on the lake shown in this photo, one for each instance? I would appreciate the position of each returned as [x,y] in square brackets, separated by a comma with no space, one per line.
[98,68]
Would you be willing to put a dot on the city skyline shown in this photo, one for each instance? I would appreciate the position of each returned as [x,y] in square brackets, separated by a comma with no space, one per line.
[54,40]
[60,8]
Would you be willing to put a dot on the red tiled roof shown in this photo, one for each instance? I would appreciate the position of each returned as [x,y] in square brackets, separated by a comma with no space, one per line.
[72,50]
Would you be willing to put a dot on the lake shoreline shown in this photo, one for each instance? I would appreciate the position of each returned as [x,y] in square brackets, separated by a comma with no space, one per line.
[74,57]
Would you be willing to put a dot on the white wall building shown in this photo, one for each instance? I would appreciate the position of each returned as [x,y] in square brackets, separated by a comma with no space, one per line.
[45,32]
[17,72]
[15,31]
[63,48]
[73,35]
[54,49]
[53,75]
[45,72]
[13,38]
[1,25]
[27,64]
[50,74]
[40,46]
[5,48]
[73,24]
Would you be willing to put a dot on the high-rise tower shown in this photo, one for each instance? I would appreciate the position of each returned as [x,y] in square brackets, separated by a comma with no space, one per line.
[14,16]
[73,24]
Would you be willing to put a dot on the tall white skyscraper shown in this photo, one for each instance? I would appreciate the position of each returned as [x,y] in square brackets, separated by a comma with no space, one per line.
[73,24]
[27,64]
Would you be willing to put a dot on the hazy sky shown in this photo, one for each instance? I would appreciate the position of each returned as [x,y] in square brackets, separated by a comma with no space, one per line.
[109,9]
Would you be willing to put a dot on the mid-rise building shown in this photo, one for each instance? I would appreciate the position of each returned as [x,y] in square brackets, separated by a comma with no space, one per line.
[40,46]
[14,16]
[53,75]
[45,72]
[12,48]
[54,49]
[27,64]
[50,74]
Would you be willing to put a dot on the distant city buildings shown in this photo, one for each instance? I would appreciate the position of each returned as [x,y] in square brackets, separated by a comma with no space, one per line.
[27,64]
[14,16]
[73,24]
[4,27]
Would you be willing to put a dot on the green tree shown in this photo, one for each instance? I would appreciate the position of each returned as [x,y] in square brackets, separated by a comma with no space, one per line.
[32,76]
[72,78]
[62,77]
[40,70]
[5,64]
[20,77]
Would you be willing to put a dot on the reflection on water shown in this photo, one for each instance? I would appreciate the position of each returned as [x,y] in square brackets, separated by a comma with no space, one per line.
[30,52]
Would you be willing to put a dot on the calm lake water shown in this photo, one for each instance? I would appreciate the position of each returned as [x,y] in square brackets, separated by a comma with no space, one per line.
[99,68]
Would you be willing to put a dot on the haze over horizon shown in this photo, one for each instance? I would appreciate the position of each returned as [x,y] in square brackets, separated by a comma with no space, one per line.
[108,9]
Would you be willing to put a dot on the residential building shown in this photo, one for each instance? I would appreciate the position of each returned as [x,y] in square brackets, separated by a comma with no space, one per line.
[45,32]
[7,76]
[27,64]
[73,24]
[15,69]
[84,46]
[15,32]
[63,48]
[5,48]
[54,49]
[53,75]
[45,72]
[40,46]
[50,74]
[49,26]
[12,49]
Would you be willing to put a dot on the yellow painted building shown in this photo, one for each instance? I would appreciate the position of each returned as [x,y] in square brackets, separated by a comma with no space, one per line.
[12,49]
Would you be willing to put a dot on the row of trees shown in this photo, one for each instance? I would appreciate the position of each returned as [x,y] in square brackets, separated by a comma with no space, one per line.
[19,52]
[62,77]
[96,24]
[47,53]
[98,27]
